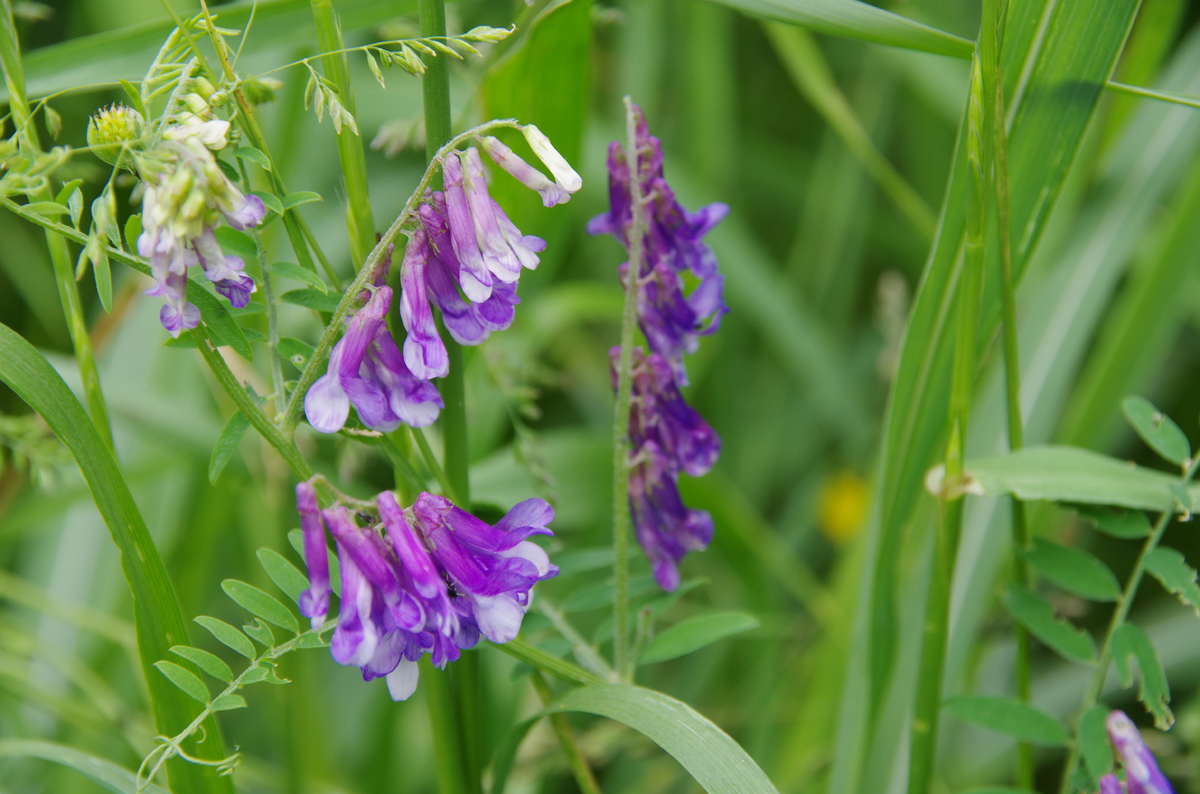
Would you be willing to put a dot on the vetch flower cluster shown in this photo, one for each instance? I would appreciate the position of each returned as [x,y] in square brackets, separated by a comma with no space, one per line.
[186,197]
[434,581]
[366,368]
[667,437]
[673,248]
[467,255]
[1142,775]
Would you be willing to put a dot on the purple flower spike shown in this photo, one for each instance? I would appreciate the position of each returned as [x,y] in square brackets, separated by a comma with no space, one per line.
[524,173]
[1142,775]
[474,278]
[177,315]
[673,246]
[666,529]
[1110,784]
[314,602]
[424,352]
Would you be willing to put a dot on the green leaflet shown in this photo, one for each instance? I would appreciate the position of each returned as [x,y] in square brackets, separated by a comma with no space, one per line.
[1074,570]
[227,444]
[316,300]
[1019,720]
[861,21]
[1117,522]
[191,685]
[696,633]
[156,612]
[1157,429]
[283,573]
[259,603]
[1069,474]
[210,664]
[716,762]
[101,771]
[1168,567]
[227,635]
[1093,741]
[1153,691]
[297,273]
[1036,614]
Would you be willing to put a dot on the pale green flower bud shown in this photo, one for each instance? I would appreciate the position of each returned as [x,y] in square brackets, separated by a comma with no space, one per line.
[114,132]
[259,90]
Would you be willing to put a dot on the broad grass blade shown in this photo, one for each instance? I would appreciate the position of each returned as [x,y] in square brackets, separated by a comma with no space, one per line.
[157,614]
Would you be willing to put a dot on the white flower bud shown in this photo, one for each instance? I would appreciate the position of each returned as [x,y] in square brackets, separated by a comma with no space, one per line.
[563,173]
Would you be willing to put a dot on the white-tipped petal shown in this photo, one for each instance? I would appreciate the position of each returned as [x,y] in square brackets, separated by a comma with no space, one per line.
[402,681]
[563,173]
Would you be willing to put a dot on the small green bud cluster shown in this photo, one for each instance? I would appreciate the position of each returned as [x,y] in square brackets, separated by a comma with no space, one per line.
[115,133]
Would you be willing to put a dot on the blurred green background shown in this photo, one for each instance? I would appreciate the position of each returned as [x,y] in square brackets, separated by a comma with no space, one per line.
[834,156]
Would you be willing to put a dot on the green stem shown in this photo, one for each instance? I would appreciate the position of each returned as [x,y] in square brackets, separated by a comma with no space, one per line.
[432,462]
[927,706]
[559,668]
[991,41]
[439,698]
[270,433]
[60,257]
[1100,674]
[278,396]
[464,675]
[622,659]
[587,655]
[349,143]
[249,124]
[397,447]
[566,737]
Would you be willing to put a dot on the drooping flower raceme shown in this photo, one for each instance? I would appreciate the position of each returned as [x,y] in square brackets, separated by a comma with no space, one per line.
[435,581]
[673,248]
[186,197]
[367,369]
[1142,775]
[667,437]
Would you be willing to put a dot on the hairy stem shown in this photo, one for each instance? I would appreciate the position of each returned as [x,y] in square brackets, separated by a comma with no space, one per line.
[566,737]
[622,658]
[349,143]
[60,257]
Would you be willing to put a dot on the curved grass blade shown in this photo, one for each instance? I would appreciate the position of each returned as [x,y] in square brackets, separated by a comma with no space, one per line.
[716,761]
[861,21]
[157,614]
[101,771]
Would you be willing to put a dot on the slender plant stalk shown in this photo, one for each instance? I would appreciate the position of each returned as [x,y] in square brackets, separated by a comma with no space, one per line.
[559,668]
[439,698]
[60,257]
[622,658]
[349,143]
[991,39]
[927,707]
[566,737]
[278,395]
[1120,613]
[463,678]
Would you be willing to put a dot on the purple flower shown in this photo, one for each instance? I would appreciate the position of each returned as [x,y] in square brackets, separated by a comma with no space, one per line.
[1142,775]
[424,352]
[658,413]
[1110,784]
[439,580]
[314,602]
[672,247]
[666,529]
[492,568]
[186,197]
[367,369]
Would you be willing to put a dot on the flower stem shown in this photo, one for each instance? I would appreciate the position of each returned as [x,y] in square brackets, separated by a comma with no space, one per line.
[278,395]
[927,706]
[1096,687]
[622,658]
[464,745]
[60,256]
[566,737]
[349,143]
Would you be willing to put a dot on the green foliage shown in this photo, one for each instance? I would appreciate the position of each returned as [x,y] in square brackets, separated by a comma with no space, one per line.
[1074,570]
[1130,641]
[1037,615]
[1009,717]
[695,633]
[1093,739]
[1169,568]
[1157,430]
